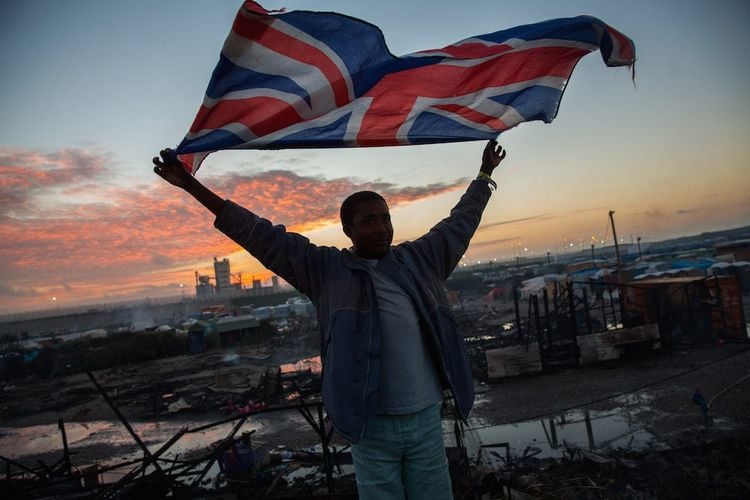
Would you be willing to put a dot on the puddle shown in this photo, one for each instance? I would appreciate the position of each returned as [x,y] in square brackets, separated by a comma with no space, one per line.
[313,365]
[305,473]
[315,473]
[30,441]
[18,442]
[549,437]
[479,338]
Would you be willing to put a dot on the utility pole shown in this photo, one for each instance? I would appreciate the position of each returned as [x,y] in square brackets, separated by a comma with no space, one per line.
[617,246]
[640,255]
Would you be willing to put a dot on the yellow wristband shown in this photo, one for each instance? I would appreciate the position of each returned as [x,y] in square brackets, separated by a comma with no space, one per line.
[486,177]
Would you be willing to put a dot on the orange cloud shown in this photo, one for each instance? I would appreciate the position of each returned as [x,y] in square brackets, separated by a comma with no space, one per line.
[304,203]
[65,223]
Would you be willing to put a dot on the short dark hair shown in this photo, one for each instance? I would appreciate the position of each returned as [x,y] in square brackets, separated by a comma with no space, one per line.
[352,202]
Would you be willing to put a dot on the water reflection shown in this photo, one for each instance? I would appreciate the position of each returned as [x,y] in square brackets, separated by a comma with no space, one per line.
[312,365]
[552,437]
[18,442]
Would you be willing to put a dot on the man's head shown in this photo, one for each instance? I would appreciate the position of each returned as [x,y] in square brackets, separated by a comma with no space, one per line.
[367,222]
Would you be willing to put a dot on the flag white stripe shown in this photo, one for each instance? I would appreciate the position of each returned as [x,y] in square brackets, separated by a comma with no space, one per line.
[300,35]
[254,56]
[479,101]
[293,100]
[235,128]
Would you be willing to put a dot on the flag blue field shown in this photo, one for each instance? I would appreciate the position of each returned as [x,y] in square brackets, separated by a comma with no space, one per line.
[305,79]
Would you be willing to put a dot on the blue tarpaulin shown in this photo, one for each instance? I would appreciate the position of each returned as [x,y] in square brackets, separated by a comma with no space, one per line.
[696,264]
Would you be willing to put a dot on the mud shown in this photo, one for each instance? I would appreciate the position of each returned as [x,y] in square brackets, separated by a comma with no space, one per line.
[651,439]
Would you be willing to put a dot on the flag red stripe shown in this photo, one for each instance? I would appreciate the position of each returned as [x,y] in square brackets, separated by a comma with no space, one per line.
[626,48]
[255,7]
[475,116]
[263,33]
[444,80]
[394,95]
[262,115]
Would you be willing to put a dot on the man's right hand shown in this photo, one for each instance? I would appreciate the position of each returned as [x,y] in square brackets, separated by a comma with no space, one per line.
[171,170]
[174,172]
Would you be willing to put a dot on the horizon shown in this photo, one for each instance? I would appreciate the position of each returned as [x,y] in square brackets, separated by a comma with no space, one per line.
[577,254]
[88,102]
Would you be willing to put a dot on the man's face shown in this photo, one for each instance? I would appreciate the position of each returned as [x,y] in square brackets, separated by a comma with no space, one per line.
[371,231]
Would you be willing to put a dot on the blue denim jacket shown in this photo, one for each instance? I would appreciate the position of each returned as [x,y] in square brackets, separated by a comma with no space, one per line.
[338,284]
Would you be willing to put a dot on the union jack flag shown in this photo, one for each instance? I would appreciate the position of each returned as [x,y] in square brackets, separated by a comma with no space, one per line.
[306,79]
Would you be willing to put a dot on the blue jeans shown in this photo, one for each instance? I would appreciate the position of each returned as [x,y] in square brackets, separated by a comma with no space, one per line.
[405,458]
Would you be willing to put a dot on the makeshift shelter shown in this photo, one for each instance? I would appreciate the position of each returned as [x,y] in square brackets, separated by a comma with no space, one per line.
[234,330]
[534,286]
[739,269]
[700,308]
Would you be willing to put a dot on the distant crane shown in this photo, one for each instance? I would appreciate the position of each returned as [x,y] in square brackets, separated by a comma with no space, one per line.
[617,247]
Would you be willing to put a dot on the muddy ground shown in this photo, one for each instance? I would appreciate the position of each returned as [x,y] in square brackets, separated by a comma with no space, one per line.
[688,457]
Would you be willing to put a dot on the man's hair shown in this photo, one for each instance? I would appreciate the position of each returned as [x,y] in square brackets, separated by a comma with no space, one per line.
[352,202]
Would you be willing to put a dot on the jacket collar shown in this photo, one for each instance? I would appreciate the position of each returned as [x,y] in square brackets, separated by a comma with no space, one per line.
[353,262]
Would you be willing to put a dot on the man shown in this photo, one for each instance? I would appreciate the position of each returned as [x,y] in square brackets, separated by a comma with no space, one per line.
[391,343]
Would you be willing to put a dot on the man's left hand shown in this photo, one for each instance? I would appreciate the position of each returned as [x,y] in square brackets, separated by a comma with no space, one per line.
[491,157]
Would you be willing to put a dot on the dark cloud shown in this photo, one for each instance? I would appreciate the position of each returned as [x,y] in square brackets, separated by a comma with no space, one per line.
[540,217]
[492,243]
[654,214]
[533,218]
[585,210]
[12,291]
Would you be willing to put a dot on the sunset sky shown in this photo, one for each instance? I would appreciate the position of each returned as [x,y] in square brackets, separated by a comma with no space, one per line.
[92,89]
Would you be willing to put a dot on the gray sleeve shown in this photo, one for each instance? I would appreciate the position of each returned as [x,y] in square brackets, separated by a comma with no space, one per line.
[290,255]
[444,245]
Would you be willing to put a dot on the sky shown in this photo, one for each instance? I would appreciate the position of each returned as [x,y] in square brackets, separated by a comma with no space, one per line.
[91,90]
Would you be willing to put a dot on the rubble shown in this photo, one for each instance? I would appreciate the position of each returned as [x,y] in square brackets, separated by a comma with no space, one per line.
[696,461]
[703,441]
[243,469]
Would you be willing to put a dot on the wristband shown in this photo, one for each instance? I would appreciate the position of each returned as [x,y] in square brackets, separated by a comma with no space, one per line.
[484,176]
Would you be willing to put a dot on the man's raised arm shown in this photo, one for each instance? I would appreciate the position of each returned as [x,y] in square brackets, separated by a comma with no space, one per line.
[169,168]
